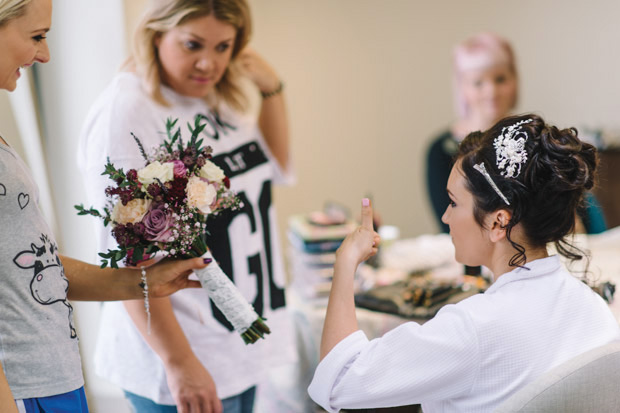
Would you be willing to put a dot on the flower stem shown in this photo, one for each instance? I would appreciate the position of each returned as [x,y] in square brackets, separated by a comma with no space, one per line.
[257,330]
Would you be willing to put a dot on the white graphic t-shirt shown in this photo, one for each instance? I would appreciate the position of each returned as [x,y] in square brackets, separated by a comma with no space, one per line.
[244,242]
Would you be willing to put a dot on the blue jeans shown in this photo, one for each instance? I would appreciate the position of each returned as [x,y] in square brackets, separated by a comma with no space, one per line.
[70,402]
[241,403]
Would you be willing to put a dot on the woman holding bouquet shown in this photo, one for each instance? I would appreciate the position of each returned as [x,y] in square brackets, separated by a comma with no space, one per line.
[188,60]
[513,189]
[39,355]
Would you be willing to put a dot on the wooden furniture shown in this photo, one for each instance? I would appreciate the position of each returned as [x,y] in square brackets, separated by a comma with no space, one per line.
[608,189]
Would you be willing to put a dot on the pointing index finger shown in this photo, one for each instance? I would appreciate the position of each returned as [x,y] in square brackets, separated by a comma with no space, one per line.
[367,214]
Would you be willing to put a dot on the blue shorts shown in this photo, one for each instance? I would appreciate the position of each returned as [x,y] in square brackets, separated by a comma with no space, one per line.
[71,402]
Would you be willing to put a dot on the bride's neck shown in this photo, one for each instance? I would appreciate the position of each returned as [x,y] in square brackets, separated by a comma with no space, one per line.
[501,263]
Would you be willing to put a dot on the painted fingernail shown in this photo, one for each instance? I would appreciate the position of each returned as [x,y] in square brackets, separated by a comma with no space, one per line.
[365,202]
[207,260]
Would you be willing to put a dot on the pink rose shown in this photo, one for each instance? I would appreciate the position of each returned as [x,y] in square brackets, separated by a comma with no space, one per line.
[179,169]
[158,224]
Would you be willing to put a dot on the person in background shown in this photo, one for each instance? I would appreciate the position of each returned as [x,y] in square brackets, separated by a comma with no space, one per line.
[486,89]
[190,59]
[486,86]
[512,190]
[39,355]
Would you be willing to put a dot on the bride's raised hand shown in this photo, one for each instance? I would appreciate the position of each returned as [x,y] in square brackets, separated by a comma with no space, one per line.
[362,243]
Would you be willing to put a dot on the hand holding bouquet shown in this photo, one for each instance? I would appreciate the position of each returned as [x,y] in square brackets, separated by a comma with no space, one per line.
[164,207]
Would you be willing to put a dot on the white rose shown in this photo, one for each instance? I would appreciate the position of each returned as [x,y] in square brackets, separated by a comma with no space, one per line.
[133,212]
[156,170]
[212,172]
[200,194]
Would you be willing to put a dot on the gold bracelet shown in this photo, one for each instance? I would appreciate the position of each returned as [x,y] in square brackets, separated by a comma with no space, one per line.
[274,92]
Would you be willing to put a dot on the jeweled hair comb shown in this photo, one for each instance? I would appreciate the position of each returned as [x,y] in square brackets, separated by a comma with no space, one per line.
[510,151]
[510,154]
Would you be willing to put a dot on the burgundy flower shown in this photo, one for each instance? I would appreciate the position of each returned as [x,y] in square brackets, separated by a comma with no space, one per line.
[188,161]
[190,151]
[132,175]
[207,151]
[133,237]
[227,182]
[126,195]
[139,229]
[158,224]
[176,189]
[154,190]
[120,235]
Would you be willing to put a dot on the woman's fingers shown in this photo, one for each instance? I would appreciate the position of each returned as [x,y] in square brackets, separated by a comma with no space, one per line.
[367,214]
[217,406]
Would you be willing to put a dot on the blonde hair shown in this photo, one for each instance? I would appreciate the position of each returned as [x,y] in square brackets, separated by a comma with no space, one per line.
[481,50]
[163,15]
[10,9]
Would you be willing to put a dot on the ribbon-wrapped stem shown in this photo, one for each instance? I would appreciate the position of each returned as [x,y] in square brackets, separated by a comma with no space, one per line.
[231,303]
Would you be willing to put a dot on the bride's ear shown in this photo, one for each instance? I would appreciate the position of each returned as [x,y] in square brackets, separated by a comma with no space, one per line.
[498,221]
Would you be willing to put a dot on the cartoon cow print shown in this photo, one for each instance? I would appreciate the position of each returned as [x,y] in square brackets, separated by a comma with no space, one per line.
[49,284]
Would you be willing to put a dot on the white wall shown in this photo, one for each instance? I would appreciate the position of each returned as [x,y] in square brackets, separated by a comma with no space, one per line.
[368,84]
[87,44]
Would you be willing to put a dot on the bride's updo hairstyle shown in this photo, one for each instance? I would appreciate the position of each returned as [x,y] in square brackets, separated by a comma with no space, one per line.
[542,179]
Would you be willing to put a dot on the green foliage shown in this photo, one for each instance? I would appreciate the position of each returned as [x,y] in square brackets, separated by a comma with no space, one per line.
[172,137]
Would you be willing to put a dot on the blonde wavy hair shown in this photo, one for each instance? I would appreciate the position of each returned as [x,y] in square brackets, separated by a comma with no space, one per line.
[10,9]
[163,15]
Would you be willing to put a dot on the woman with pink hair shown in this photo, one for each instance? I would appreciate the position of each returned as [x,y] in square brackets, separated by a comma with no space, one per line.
[485,90]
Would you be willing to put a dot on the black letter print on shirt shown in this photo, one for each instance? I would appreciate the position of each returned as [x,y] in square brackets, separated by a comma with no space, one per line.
[215,125]
[256,211]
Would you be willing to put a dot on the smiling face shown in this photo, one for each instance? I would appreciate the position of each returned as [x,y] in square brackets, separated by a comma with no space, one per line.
[194,55]
[22,42]
[489,92]
[471,242]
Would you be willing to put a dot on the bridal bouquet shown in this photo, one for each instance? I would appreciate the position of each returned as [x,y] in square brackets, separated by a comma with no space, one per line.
[164,207]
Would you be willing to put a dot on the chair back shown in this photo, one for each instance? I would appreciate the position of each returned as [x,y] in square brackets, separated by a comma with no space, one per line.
[589,382]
